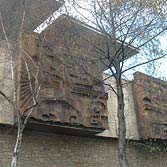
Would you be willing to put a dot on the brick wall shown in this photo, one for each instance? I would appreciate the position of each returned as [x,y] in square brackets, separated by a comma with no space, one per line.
[41,149]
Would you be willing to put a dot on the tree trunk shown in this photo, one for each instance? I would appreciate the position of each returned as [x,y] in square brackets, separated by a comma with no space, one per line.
[121,126]
[17,146]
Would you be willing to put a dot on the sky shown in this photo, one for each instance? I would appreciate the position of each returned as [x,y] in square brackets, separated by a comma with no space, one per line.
[67,6]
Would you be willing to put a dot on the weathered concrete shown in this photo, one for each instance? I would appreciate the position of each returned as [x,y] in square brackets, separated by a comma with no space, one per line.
[130,114]
[25,16]
[6,84]
[151,106]
[132,133]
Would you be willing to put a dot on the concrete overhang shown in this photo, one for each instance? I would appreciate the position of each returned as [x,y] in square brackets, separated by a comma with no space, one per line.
[36,11]
[62,128]
[69,35]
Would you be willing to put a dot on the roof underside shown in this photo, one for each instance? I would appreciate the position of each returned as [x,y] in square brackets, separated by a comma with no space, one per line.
[69,34]
[30,14]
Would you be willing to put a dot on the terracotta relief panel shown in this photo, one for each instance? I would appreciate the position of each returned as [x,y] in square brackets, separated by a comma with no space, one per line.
[67,96]
[151,106]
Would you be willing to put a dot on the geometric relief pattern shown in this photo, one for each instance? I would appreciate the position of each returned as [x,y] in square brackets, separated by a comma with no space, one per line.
[151,106]
[66,96]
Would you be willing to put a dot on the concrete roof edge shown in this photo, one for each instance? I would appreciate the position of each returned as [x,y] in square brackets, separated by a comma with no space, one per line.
[94,29]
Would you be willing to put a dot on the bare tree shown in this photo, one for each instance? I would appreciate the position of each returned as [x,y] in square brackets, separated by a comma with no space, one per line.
[22,89]
[123,25]
[12,97]
[120,24]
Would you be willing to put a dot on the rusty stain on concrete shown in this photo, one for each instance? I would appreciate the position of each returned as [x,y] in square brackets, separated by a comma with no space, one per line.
[68,95]
[151,106]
